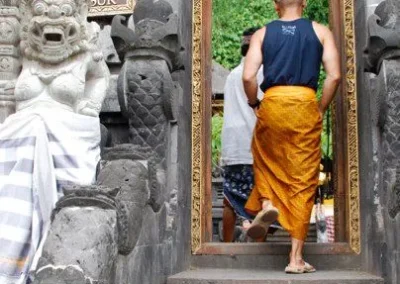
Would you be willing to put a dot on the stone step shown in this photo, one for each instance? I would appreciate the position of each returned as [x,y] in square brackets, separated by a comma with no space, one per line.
[275,261]
[247,276]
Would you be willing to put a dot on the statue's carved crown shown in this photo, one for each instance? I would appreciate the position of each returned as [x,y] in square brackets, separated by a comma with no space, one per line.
[156,33]
[26,6]
[9,3]
[9,8]
[148,9]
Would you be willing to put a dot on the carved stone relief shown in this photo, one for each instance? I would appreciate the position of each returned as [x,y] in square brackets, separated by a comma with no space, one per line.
[10,63]
[146,91]
[52,32]
[383,35]
[382,57]
[388,80]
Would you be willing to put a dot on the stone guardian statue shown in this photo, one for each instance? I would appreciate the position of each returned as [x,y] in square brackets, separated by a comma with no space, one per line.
[53,138]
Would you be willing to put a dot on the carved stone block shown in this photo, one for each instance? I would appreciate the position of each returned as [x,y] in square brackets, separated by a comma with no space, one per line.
[81,246]
[10,62]
[131,178]
[388,82]
[383,35]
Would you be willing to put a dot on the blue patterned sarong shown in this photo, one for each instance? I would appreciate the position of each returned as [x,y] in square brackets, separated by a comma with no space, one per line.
[238,183]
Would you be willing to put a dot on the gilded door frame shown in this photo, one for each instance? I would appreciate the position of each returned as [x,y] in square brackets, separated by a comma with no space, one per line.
[346,178]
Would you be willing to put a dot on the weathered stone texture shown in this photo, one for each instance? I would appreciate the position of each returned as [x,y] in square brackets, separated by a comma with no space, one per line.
[107,46]
[80,237]
[131,178]
[379,110]
[163,247]
[10,63]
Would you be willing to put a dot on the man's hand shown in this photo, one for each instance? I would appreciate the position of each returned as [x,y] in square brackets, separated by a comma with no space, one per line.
[255,111]
[321,110]
[331,63]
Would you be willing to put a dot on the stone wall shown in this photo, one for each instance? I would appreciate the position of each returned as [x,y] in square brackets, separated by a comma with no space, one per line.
[378,97]
[163,247]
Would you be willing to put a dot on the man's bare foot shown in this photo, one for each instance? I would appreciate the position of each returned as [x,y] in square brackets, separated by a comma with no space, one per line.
[267,205]
[298,265]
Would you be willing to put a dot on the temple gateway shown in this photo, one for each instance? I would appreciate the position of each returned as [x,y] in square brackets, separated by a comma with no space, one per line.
[106,169]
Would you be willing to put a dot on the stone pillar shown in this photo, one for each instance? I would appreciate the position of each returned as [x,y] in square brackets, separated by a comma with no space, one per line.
[10,63]
[146,92]
[382,59]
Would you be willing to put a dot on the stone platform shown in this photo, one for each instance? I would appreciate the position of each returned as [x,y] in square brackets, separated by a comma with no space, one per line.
[248,276]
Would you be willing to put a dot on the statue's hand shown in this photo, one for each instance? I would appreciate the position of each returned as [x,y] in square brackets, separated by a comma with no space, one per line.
[88,108]
[89,112]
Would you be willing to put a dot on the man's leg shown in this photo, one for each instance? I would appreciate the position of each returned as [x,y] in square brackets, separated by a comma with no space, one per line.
[297,264]
[229,222]
[296,254]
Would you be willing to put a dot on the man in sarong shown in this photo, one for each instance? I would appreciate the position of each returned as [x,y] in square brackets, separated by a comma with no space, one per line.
[286,141]
[236,158]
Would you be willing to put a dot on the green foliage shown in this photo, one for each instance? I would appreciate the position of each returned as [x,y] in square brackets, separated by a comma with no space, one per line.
[216,128]
[326,137]
[230,19]
[317,10]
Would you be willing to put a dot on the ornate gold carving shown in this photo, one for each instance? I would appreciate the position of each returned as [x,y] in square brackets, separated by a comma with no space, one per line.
[352,129]
[111,7]
[197,127]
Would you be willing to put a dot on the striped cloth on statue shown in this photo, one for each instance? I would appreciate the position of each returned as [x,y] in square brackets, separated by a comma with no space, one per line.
[39,151]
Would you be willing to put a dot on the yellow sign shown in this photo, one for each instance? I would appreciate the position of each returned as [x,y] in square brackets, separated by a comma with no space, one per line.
[111,7]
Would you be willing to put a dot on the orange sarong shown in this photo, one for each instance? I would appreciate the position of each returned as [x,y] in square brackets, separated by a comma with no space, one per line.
[287,153]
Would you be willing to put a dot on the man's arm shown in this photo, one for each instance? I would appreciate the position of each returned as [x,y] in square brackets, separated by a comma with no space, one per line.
[331,63]
[252,64]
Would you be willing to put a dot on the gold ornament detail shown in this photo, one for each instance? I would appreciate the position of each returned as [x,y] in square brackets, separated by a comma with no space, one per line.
[126,7]
[197,127]
[352,128]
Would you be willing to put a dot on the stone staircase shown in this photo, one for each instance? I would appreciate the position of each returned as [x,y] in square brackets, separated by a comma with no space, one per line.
[256,276]
[268,269]
[255,263]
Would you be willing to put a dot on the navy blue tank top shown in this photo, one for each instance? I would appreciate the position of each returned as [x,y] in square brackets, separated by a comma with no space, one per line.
[292,54]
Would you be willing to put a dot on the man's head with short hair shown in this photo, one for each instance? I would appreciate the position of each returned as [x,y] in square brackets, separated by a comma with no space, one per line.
[283,5]
[246,39]
[289,3]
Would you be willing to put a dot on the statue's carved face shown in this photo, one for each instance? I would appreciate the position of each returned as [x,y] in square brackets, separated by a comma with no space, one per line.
[55,31]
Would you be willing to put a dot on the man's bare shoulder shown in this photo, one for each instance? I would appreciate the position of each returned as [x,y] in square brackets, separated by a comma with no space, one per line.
[259,34]
[320,27]
[322,31]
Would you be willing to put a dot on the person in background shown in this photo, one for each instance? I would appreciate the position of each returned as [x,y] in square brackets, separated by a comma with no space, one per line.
[236,158]
[289,117]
